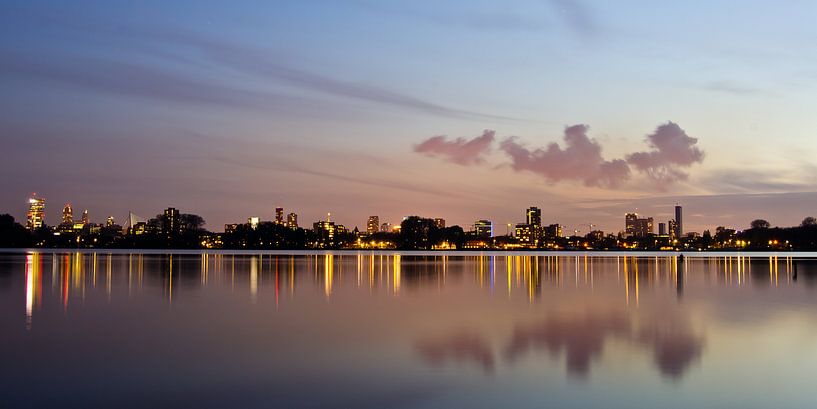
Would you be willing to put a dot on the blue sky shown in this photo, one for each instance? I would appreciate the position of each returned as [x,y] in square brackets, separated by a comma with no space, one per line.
[229,110]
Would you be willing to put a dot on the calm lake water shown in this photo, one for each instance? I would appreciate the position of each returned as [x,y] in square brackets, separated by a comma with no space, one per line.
[390,330]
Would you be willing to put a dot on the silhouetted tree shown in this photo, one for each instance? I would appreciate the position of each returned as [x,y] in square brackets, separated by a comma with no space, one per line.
[808,222]
[13,234]
[760,224]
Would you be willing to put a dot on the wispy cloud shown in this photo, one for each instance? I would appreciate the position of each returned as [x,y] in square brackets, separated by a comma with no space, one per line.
[577,16]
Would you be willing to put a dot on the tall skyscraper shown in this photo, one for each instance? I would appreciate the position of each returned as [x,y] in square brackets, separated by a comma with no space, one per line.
[484,228]
[629,222]
[373,224]
[68,215]
[292,221]
[35,218]
[279,215]
[534,216]
[672,229]
[662,229]
[170,223]
[679,221]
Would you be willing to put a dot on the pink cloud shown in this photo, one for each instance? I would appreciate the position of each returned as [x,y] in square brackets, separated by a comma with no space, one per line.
[460,151]
[672,149]
[580,160]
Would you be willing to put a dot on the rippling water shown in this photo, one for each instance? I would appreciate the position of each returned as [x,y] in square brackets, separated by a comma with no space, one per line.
[364,330]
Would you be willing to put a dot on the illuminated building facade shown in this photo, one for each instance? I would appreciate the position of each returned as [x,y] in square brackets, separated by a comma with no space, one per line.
[292,221]
[326,231]
[35,218]
[67,215]
[533,216]
[253,222]
[373,224]
[554,230]
[230,227]
[636,226]
[279,215]
[527,234]
[483,228]
[170,222]
[386,228]
[673,229]
[110,222]
[85,219]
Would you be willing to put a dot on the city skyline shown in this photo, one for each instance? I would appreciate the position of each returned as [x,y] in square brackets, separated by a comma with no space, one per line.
[586,108]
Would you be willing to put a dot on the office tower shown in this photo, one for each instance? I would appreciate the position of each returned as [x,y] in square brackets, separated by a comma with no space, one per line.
[385,227]
[679,221]
[292,221]
[484,228]
[253,221]
[672,229]
[662,229]
[534,216]
[110,222]
[68,215]
[526,234]
[326,231]
[637,227]
[170,222]
[279,215]
[439,222]
[553,230]
[35,218]
[373,224]
[629,222]
[85,219]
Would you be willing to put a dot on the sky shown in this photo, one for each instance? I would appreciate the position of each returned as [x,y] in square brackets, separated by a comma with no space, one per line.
[461,110]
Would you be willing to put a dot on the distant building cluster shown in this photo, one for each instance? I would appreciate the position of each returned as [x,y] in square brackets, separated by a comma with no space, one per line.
[173,229]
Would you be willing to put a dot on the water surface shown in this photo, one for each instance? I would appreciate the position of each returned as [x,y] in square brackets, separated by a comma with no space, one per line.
[391,330]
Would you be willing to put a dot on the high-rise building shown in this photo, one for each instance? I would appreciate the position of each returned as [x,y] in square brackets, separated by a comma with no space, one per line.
[484,228]
[67,215]
[662,229]
[373,224]
[679,221]
[638,227]
[292,221]
[439,222]
[170,223]
[279,215]
[85,219]
[110,222]
[672,229]
[35,218]
[553,230]
[386,228]
[526,234]
[534,216]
